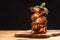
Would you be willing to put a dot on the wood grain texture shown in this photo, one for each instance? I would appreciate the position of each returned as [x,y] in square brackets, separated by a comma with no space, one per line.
[10,35]
[49,33]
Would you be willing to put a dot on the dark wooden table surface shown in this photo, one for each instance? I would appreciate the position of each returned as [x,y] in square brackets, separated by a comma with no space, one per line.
[10,35]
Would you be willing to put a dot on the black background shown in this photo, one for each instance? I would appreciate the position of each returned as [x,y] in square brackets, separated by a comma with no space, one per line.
[15,14]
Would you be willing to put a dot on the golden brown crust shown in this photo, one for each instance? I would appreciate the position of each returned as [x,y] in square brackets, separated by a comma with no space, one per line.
[39,22]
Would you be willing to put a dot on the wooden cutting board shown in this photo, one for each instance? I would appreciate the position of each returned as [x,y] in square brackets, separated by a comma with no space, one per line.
[49,33]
